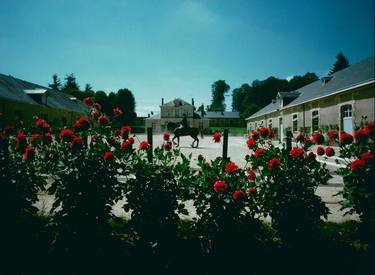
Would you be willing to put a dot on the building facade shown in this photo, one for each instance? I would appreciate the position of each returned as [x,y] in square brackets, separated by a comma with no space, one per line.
[338,101]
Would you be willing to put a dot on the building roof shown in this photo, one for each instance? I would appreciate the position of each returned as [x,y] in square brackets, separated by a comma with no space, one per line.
[155,116]
[19,90]
[176,103]
[11,89]
[355,75]
[222,115]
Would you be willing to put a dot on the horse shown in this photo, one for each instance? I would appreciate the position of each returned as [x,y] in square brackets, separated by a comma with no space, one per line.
[188,131]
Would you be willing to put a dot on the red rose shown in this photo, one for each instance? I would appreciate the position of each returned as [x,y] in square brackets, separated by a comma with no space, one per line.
[238,195]
[231,168]
[346,138]
[330,152]
[125,145]
[358,165]
[88,101]
[220,186]
[103,121]
[81,124]
[108,156]
[97,106]
[255,134]
[300,138]
[333,135]
[360,135]
[271,134]
[368,157]
[274,164]
[250,143]
[168,146]
[263,132]
[370,129]
[35,138]
[251,175]
[66,135]
[310,156]
[125,131]
[216,137]
[39,123]
[320,151]
[77,143]
[259,152]
[47,138]
[318,138]
[144,145]
[131,140]
[296,153]
[29,153]
[252,190]
[166,137]
[117,111]
[112,141]
[94,115]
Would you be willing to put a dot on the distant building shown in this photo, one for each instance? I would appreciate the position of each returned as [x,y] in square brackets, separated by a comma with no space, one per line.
[20,99]
[335,101]
[173,111]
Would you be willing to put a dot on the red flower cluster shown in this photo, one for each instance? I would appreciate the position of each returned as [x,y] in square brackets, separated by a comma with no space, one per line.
[251,175]
[358,165]
[300,138]
[66,135]
[168,146]
[360,135]
[81,124]
[216,137]
[103,121]
[320,151]
[255,134]
[108,156]
[144,145]
[252,190]
[310,156]
[368,157]
[263,132]
[318,138]
[39,123]
[220,186]
[345,138]
[47,138]
[333,135]
[231,168]
[77,143]
[330,152]
[166,137]
[126,145]
[29,153]
[97,106]
[274,164]
[259,152]
[271,134]
[125,131]
[370,129]
[238,195]
[89,101]
[296,153]
[250,143]
[35,139]
[117,111]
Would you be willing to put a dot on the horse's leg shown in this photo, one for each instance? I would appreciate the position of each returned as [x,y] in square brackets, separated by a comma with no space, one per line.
[174,139]
[178,140]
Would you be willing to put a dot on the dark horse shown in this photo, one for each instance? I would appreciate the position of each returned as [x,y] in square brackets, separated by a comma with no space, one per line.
[178,132]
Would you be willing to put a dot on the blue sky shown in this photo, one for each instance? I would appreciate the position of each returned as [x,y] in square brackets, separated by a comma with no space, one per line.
[179,48]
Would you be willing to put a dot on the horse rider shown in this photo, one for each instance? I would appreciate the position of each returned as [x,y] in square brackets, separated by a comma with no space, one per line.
[184,122]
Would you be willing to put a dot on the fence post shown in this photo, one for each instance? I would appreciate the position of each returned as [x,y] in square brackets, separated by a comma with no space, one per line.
[225,145]
[288,141]
[149,140]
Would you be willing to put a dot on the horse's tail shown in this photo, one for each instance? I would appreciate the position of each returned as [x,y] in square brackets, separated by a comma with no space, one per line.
[200,132]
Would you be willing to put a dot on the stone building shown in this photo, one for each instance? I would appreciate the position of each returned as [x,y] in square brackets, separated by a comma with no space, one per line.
[174,110]
[336,101]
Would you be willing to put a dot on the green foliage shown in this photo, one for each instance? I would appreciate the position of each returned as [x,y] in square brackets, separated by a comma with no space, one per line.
[219,89]
[341,63]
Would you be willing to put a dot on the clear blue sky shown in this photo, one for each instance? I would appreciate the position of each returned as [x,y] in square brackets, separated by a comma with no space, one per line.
[179,48]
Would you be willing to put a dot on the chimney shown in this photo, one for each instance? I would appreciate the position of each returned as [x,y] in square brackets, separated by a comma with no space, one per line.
[148,115]
[192,101]
[162,101]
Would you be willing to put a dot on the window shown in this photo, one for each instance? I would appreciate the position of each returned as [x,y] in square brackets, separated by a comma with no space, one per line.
[270,123]
[315,121]
[346,111]
[295,122]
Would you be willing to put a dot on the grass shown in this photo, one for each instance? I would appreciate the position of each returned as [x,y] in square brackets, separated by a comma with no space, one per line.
[237,131]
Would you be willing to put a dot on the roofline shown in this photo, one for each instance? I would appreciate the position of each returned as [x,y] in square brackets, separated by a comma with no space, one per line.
[316,98]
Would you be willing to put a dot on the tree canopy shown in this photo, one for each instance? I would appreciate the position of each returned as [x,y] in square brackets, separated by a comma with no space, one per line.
[219,89]
[341,63]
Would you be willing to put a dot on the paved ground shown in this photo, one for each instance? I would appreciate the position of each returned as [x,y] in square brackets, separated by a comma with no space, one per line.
[237,150]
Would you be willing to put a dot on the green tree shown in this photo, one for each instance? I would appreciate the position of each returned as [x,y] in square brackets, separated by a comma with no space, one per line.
[341,63]
[56,83]
[126,102]
[219,89]
[88,87]
[201,110]
[70,85]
